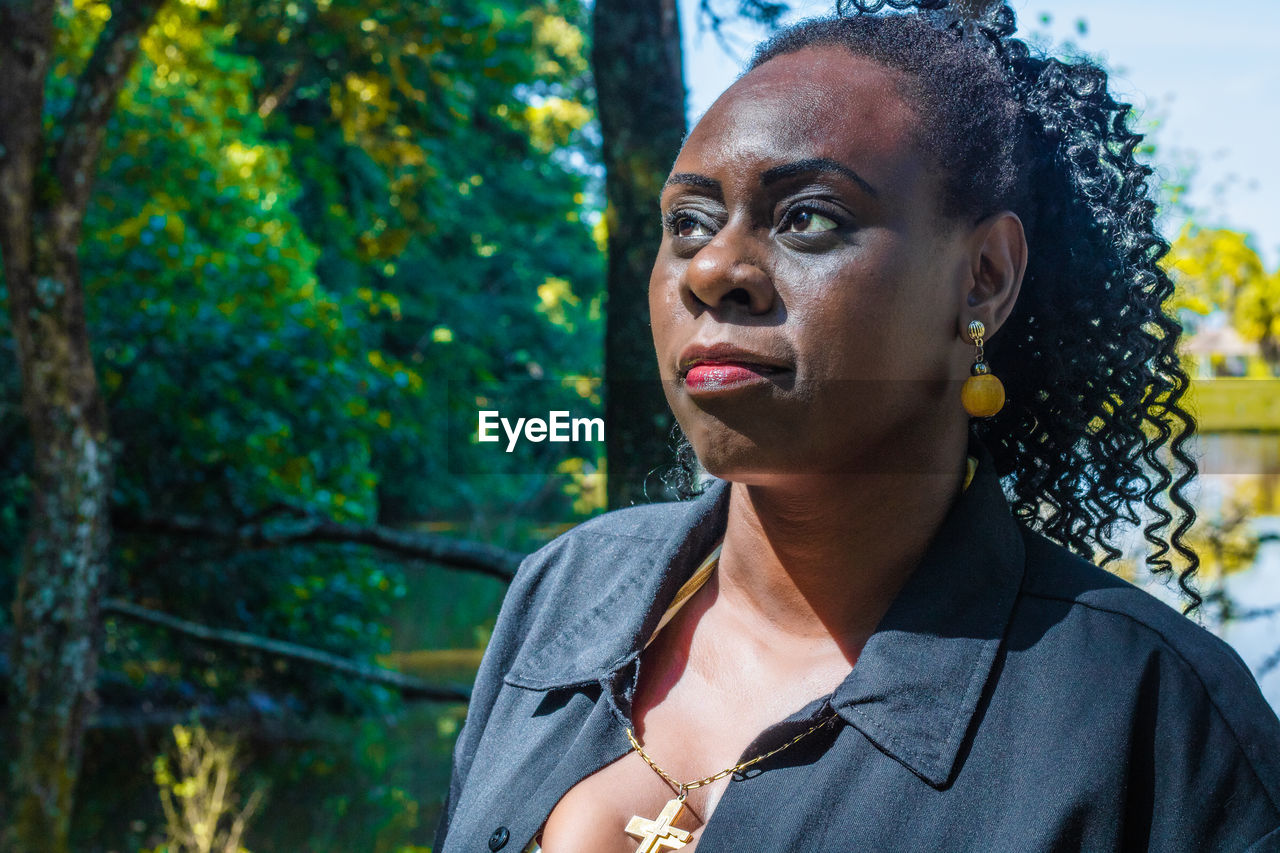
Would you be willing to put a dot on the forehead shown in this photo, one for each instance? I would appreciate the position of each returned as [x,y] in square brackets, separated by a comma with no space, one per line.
[816,102]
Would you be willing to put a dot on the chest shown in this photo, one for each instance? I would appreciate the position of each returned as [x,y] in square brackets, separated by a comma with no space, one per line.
[698,711]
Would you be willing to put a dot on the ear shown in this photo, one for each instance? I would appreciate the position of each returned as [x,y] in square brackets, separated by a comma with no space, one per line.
[998,261]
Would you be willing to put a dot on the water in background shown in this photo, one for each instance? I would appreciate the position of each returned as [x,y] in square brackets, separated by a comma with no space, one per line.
[1242,480]
[1237,502]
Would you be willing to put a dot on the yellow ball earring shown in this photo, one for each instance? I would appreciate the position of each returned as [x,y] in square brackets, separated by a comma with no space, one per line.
[982,394]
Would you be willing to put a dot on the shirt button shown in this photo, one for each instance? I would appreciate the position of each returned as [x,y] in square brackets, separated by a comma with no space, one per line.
[499,838]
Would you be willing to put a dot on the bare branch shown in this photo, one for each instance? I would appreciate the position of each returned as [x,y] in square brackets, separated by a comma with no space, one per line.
[282,91]
[287,728]
[451,553]
[1269,664]
[766,12]
[95,98]
[712,20]
[409,687]
[1255,613]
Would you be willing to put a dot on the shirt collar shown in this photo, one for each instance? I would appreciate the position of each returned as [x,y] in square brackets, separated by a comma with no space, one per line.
[915,689]
[916,686]
[644,576]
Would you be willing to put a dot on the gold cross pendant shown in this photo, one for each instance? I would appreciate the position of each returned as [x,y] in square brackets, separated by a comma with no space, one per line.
[657,835]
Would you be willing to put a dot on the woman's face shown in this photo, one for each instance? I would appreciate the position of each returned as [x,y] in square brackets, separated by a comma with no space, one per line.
[807,297]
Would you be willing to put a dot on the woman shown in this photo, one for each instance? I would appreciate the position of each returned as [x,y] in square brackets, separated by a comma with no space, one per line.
[849,641]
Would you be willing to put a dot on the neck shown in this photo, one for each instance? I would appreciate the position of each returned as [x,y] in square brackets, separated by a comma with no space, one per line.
[823,556]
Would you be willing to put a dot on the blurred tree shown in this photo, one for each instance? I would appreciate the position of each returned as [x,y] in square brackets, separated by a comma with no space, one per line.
[639,76]
[1216,269]
[46,175]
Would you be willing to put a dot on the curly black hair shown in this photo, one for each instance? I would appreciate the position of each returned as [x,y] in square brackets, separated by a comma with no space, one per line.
[1088,355]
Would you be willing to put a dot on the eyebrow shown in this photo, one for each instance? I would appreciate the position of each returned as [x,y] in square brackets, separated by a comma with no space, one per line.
[692,179]
[816,164]
[778,173]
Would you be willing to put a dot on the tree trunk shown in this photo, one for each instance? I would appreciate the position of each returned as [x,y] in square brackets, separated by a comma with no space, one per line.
[636,60]
[55,611]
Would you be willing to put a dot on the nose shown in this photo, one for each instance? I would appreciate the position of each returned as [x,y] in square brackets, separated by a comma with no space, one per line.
[726,272]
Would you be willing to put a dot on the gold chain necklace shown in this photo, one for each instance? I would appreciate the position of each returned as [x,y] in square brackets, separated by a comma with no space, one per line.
[660,833]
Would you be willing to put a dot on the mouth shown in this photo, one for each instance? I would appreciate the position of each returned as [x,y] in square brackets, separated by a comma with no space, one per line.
[721,367]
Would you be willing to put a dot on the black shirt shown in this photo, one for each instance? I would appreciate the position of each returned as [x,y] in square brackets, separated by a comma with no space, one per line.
[1015,697]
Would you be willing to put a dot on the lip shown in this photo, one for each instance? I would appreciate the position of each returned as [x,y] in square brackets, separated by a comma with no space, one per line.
[709,368]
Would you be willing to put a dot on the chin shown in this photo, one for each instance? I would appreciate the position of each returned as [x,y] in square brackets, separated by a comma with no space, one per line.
[751,474]
[734,449]
[749,459]
[791,454]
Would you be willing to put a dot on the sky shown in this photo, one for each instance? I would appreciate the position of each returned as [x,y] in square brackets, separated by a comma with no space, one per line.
[1211,79]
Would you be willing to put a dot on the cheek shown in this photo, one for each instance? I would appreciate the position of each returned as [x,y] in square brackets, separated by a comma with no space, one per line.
[850,321]
[664,314]
[886,314]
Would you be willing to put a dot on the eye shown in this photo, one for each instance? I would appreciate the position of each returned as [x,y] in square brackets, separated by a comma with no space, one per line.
[806,221]
[686,225]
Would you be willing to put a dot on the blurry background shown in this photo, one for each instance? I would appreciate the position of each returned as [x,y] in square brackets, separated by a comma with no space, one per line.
[263,257]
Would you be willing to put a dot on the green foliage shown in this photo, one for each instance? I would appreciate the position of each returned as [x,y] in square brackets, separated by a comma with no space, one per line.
[460,191]
[370,785]
[310,218]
